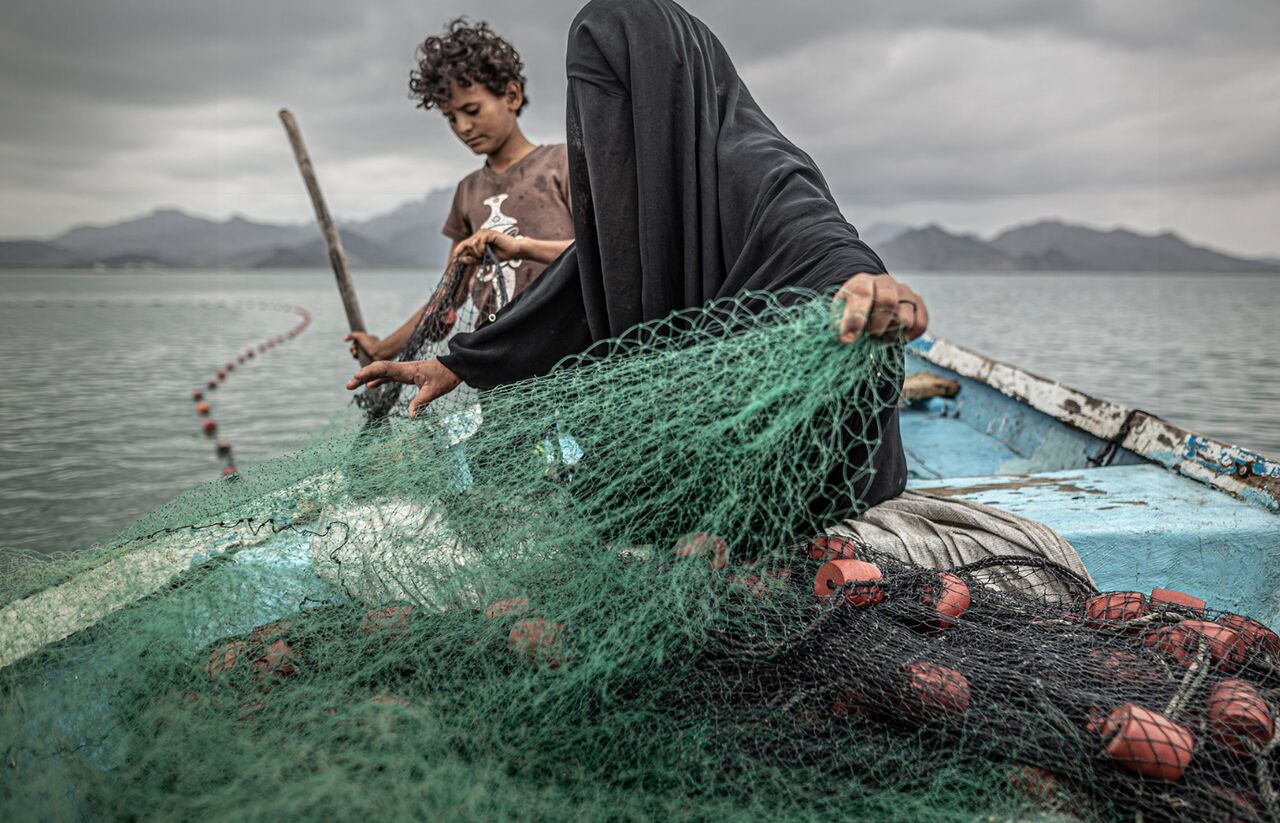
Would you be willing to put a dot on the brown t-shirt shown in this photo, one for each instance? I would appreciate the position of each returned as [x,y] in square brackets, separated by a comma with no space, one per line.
[530,199]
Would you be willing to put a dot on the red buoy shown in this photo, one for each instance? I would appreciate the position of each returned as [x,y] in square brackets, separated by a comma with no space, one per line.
[539,641]
[224,659]
[1239,716]
[1255,636]
[1114,607]
[1169,597]
[277,661]
[1147,743]
[212,384]
[391,621]
[1182,641]
[222,375]
[948,597]
[502,608]
[704,544]
[833,547]
[209,427]
[202,408]
[227,471]
[197,395]
[862,582]
[934,691]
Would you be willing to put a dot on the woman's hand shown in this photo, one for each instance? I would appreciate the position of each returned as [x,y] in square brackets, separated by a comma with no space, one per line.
[880,306]
[471,251]
[432,378]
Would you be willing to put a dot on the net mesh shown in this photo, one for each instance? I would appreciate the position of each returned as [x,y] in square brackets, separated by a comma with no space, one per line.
[609,592]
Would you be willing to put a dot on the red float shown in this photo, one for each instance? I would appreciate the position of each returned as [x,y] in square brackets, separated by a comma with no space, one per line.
[934,691]
[1169,597]
[539,641]
[276,661]
[704,544]
[209,427]
[224,659]
[948,597]
[391,621]
[502,608]
[1182,641]
[861,579]
[1114,607]
[197,395]
[1147,743]
[1239,717]
[1255,636]
[833,547]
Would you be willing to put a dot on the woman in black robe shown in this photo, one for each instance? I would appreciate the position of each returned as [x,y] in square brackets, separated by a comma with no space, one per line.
[683,192]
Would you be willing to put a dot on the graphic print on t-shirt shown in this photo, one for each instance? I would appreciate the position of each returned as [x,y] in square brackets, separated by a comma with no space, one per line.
[506,224]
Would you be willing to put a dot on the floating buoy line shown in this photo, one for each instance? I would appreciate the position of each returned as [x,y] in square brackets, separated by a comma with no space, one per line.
[199,396]
[204,408]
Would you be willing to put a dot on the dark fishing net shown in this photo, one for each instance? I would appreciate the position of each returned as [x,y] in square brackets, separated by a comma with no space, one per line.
[448,312]
[610,592]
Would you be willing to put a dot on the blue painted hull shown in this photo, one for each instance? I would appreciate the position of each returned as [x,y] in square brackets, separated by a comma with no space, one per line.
[1146,504]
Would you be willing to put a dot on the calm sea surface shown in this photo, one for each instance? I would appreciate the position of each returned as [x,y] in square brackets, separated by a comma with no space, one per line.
[96,370]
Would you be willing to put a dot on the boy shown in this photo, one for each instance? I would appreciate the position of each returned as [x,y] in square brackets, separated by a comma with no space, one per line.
[517,202]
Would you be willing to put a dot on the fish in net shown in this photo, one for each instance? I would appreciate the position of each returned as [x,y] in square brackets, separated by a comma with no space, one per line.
[612,592]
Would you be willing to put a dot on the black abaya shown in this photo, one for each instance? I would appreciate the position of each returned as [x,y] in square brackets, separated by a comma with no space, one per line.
[683,192]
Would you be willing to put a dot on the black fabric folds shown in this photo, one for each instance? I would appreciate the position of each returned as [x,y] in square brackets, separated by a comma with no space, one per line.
[683,192]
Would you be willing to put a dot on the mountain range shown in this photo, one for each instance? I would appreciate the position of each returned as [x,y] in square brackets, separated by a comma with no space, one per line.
[409,237]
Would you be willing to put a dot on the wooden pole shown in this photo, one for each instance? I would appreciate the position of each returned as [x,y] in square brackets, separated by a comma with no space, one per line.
[337,257]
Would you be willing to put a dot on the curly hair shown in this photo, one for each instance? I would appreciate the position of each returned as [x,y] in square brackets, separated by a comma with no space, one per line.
[465,54]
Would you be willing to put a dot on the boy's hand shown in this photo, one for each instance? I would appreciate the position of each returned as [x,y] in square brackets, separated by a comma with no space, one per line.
[363,341]
[471,251]
[879,305]
[432,378]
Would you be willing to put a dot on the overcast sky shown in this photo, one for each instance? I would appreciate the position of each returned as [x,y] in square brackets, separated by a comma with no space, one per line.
[973,113]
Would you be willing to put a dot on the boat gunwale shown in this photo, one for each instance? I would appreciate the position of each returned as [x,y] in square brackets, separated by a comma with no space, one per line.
[1242,473]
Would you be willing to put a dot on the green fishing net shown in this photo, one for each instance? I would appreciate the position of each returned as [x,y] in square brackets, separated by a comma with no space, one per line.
[610,592]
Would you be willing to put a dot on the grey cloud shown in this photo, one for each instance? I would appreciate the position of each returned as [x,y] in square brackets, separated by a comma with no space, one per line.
[116,105]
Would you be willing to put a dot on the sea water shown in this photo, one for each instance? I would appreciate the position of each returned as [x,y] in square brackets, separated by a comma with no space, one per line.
[97,424]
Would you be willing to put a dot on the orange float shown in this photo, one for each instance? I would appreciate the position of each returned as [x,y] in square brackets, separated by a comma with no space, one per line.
[276,661]
[270,631]
[1239,716]
[833,547]
[1182,640]
[948,597]
[861,581]
[1170,597]
[934,691]
[539,641]
[704,544]
[1255,636]
[1114,607]
[391,621]
[1147,743]
[203,408]
[224,659]
[502,608]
